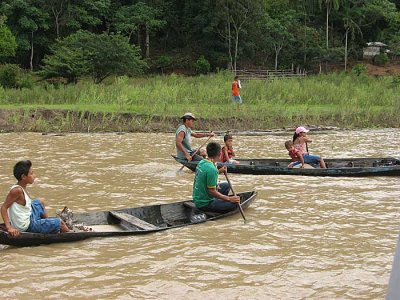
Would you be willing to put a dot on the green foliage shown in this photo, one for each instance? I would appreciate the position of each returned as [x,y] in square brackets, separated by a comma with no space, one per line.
[381,59]
[396,81]
[359,69]
[98,56]
[163,62]
[9,75]
[8,44]
[202,65]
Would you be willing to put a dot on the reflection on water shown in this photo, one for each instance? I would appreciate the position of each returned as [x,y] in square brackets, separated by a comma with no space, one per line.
[306,237]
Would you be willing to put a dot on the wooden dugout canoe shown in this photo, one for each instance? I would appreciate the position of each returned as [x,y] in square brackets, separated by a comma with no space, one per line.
[129,221]
[353,167]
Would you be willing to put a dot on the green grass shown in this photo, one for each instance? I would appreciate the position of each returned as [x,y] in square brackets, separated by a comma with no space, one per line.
[335,99]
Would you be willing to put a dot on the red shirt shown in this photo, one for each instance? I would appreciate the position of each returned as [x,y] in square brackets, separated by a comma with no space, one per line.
[222,156]
[294,154]
[235,88]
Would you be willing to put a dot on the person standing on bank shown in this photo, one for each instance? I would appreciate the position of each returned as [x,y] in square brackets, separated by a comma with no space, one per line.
[236,86]
[300,140]
[207,194]
[183,139]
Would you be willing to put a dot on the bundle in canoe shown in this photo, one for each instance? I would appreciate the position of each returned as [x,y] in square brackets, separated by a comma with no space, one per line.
[354,167]
[129,221]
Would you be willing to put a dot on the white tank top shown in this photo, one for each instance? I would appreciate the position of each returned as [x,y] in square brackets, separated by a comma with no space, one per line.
[20,216]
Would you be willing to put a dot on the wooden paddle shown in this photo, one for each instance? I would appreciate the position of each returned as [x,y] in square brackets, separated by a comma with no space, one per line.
[195,152]
[240,206]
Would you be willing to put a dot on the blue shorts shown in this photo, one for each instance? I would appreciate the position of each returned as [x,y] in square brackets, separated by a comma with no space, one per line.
[311,159]
[39,225]
[237,99]
[296,164]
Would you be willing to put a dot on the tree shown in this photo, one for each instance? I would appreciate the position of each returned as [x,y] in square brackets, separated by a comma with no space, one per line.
[140,18]
[8,45]
[236,14]
[85,53]
[277,28]
[329,5]
[351,15]
[26,18]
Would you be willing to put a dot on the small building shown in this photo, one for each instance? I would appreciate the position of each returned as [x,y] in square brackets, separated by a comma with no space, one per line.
[373,49]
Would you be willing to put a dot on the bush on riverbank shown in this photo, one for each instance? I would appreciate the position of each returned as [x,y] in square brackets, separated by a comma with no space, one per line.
[335,99]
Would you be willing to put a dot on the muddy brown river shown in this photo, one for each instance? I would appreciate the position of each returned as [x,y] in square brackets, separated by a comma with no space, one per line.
[306,237]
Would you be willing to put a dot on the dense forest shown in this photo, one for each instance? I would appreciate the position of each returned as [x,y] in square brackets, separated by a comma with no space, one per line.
[71,38]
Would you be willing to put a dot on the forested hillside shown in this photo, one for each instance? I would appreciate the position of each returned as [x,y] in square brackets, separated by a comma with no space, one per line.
[69,38]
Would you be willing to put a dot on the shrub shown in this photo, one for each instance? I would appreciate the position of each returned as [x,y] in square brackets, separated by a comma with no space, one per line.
[381,59]
[359,69]
[97,55]
[202,65]
[8,44]
[9,75]
[164,62]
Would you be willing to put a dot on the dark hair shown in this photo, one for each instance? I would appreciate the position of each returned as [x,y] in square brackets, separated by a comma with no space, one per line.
[22,168]
[295,136]
[213,149]
[236,77]
[227,137]
[288,143]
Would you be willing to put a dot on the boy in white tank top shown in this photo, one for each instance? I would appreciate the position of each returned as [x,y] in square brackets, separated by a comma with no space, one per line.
[20,213]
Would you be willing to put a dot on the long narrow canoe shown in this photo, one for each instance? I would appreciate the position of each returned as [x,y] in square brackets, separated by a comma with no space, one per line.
[355,167]
[129,221]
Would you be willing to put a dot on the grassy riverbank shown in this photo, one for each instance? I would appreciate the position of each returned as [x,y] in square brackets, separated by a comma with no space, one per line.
[333,100]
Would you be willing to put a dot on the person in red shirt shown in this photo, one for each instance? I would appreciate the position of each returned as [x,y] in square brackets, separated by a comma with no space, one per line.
[236,99]
[295,154]
[227,152]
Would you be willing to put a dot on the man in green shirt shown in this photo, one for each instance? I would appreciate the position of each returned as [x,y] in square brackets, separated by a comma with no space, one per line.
[183,139]
[207,195]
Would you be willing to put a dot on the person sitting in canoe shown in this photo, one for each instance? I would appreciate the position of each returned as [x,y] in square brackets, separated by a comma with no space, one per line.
[183,139]
[20,213]
[297,158]
[227,152]
[300,140]
[207,194]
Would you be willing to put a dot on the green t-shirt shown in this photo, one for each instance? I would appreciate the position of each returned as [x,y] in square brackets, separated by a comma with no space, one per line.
[206,177]
[186,142]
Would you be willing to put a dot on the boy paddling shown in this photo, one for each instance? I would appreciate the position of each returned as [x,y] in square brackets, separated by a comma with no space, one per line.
[208,195]
[20,213]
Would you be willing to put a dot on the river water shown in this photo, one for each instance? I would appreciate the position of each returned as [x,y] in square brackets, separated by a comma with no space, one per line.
[306,237]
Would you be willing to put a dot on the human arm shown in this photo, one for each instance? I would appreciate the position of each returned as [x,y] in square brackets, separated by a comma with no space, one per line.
[225,155]
[15,195]
[301,158]
[202,134]
[178,141]
[222,170]
[305,139]
[213,192]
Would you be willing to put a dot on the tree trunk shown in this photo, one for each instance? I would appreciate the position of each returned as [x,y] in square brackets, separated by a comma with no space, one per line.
[345,50]
[230,43]
[147,41]
[236,49]
[327,26]
[31,59]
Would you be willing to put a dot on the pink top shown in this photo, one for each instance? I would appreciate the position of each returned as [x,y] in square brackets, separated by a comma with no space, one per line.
[301,147]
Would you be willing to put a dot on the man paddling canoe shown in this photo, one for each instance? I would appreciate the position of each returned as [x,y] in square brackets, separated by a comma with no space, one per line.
[183,139]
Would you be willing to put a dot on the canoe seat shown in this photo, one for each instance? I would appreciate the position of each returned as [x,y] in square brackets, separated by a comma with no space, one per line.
[191,204]
[135,221]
